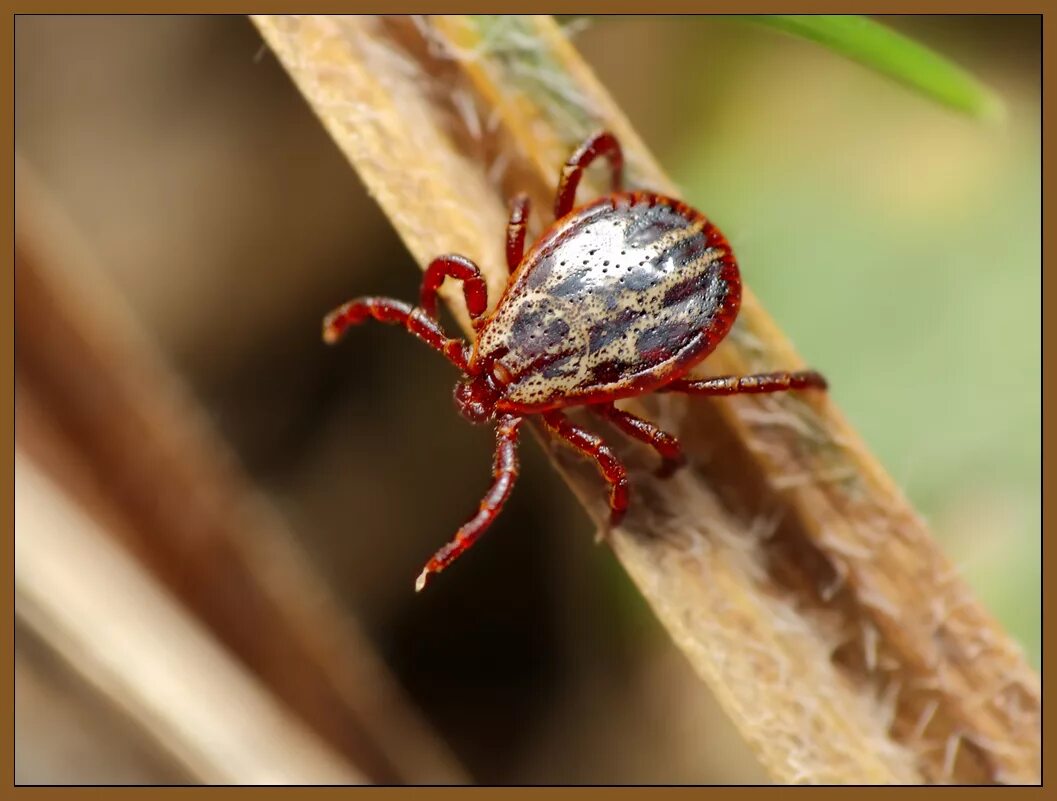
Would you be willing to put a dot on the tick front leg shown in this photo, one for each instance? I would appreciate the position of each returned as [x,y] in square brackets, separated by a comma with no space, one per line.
[611,468]
[395,312]
[748,384]
[504,474]
[665,444]
[602,143]
[462,269]
[515,230]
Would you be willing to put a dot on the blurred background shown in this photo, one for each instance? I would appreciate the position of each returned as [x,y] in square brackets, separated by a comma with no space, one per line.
[897,243]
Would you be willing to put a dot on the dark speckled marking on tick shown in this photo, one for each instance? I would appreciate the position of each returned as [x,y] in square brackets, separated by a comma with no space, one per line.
[624,293]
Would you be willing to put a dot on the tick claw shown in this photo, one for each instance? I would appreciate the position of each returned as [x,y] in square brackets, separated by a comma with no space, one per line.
[420,582]
[331,334]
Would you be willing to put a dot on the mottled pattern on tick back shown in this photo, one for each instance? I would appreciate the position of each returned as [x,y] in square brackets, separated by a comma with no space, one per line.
[622,295]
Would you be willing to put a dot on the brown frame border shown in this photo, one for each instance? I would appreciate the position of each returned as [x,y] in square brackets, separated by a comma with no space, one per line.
[7,32]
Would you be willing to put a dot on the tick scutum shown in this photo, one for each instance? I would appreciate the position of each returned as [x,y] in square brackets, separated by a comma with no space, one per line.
[619,296]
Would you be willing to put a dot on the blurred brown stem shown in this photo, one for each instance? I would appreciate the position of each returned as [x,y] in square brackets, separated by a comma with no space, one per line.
[92,606]
[785,562]
[103,413]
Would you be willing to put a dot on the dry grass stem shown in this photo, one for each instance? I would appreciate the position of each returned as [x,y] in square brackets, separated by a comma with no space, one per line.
[785,562]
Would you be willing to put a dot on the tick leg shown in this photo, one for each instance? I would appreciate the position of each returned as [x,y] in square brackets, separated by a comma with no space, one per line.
[395,312]
[462,269]
[611,468]
[661,441]
[748,384]
[504,473]
[602,143]
[515,230]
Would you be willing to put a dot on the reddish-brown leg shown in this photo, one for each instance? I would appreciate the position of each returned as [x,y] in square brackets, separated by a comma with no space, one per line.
[462,269]
[602,143]
[611,468]
[515,230]
[661,441]
[748,384]
[504,473]
[395,312]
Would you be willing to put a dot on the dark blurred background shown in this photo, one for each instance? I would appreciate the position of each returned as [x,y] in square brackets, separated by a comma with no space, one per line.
[896,242]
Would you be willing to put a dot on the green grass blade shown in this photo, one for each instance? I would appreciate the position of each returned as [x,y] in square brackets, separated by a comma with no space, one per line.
[882,49]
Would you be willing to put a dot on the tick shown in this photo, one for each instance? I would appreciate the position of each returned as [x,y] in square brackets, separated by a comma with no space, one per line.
[617,298]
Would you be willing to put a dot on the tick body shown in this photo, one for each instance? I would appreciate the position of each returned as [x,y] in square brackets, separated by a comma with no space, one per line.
[613,301]
[620,297]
